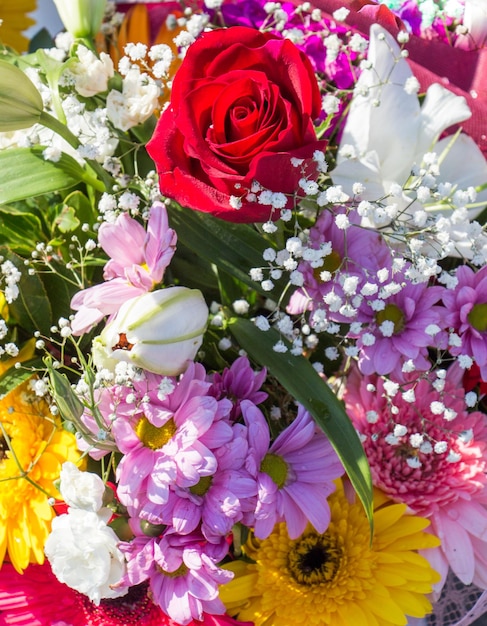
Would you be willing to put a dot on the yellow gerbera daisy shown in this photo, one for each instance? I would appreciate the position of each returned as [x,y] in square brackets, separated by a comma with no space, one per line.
[33,447]
[339,577]
[15,21]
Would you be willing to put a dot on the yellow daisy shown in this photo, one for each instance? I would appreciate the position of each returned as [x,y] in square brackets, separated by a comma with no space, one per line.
[33,447]
[339,577]
[15,21]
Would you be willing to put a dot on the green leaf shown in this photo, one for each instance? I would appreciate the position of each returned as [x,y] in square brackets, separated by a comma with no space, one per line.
[20,101]
[31,310]
[20,230]
[67,220]
[299,378]
[234,248]
[25,173]
[13,377]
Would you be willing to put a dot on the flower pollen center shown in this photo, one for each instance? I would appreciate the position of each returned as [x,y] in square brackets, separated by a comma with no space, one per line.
[314,559]
[154,437]
[331,263]
[276,467]
[391,313]
[478,317]
[201,486]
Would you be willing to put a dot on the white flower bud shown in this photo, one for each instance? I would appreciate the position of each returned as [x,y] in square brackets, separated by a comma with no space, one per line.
[159,331]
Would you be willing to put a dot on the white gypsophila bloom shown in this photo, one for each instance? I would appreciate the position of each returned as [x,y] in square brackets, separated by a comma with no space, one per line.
[91,74]
[83,553]
[81,490]
[135,103]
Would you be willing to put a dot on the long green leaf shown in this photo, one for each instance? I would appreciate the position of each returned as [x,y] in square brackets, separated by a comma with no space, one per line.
[235,248]
[299,378]
[24,173]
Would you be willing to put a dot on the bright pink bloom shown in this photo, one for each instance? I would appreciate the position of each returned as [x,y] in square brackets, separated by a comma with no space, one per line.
[467,315]
[295,474]
[182,573]
[138,260]
[431,455]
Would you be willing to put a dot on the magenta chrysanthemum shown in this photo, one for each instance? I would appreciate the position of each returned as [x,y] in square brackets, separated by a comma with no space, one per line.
[431,454]
[467,307]
[294,475]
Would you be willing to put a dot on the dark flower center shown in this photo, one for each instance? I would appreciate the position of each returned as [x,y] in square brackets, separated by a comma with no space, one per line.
[123,343]
[314,559]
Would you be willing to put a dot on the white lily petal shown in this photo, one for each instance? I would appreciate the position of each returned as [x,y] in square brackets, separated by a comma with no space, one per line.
[441,109]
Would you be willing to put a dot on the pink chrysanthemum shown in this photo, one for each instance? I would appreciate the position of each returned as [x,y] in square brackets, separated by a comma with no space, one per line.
[218,501]
[182,573]
[467,307]
[401,329]
[166,436]
[429,453]
[138,260]
[295,474]
[333,281]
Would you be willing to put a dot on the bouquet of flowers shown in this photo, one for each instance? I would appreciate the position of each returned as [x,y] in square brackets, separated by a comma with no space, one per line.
[243,323]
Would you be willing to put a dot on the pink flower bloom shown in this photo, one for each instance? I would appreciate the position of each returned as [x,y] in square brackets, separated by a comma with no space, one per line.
[138,260]
[166,437]
[182,573]
[353,254]
[295,474]
[400,330]
[218,501]
[467,307]
[432,456]
[239,382]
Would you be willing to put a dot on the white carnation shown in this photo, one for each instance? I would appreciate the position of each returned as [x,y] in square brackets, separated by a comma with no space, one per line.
[81,490]
[83,554]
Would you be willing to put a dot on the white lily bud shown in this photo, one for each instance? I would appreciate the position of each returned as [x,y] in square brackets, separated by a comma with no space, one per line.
[160,331]
[81,18]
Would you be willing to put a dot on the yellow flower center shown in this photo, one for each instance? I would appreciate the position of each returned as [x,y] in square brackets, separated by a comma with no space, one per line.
[391,313]
[154,437]
[478,317]
[181,571]
[276,467]
[201,486]
[330,264]
[314,559]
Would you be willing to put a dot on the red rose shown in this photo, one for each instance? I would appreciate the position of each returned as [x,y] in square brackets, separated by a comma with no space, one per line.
[242,105]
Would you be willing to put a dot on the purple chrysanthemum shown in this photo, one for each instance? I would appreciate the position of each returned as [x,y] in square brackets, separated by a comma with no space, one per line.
[295,474]
[346,262]
[467,315]
[166,436]
[182,573]
[401,322]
